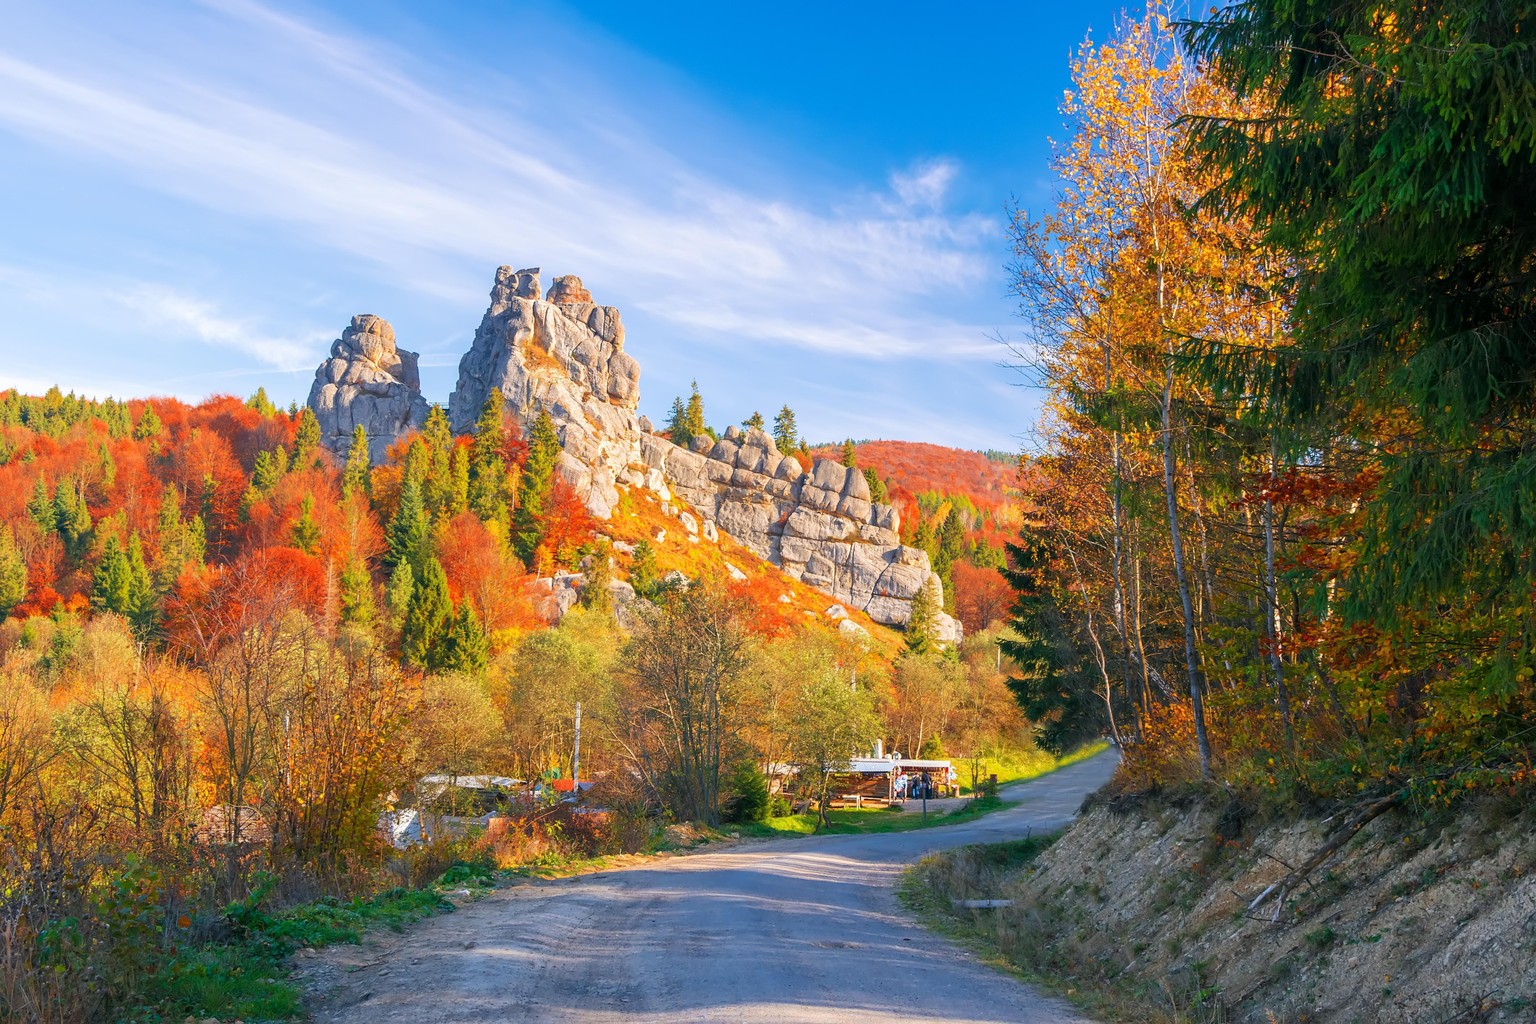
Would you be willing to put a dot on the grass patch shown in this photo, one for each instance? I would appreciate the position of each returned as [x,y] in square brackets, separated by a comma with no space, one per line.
[868,821]
[246,978]
[1023,765]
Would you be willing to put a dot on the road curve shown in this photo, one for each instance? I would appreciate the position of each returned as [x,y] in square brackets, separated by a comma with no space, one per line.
[798,930]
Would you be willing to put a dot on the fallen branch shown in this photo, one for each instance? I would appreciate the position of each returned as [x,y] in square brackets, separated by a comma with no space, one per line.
[1354,823]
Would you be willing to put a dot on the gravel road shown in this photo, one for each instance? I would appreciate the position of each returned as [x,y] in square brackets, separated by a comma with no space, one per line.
[795,930]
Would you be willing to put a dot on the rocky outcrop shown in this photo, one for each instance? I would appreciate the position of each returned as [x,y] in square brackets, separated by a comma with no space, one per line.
[370,382]
[564,355]
[820,527]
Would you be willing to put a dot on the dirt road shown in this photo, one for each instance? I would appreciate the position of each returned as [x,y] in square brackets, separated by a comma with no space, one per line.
[797,930]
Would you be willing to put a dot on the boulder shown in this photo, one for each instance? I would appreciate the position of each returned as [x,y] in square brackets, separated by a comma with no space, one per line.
[367,381]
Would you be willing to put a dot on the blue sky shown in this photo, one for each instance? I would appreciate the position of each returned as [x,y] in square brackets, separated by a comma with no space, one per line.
[789,203]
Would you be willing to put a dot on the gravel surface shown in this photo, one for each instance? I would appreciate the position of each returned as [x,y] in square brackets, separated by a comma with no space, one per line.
[794,930]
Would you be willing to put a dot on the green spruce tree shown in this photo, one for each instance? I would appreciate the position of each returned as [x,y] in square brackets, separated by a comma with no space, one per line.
[13,573]
[409,531]
[305,534]
[42,509]
[488,467]
[786,435]
[356,584]
[677,424]
[1051,689]
[533,489]
[467,648]
[74,519]
[355,475]
[149,426]
[427,617]
[850,455]
[306,441]
[261,403]
[923,620]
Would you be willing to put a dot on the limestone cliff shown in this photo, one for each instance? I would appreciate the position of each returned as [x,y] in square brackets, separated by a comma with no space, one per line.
[564,354]
[369,381]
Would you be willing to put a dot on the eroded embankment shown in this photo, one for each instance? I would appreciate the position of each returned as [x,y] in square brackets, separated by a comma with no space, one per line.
[1145,908]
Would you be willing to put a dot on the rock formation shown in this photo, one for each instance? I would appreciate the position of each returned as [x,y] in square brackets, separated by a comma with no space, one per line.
[367,380]
[565,355]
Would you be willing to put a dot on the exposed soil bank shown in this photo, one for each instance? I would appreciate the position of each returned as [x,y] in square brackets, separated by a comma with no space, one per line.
[1146,906]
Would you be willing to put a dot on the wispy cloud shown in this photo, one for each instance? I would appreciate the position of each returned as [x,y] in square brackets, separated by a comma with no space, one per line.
[351,143]
[155,309]
[203,322]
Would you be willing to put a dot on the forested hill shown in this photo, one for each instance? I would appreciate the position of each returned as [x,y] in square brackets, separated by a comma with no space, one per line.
[912,467]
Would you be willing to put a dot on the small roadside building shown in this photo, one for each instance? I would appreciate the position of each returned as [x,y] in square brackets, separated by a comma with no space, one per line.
[875,779]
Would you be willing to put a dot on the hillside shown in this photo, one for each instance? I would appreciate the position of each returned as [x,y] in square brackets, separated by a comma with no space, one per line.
[916,466]
[1163,909]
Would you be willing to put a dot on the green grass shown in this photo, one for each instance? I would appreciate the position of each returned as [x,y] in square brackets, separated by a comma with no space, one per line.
[848,821]
[246,979]
[1023,765]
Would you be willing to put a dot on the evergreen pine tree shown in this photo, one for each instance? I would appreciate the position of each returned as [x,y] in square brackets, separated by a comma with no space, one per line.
[595,595]
[357,593]
[786,436]
[850,455]
[408,530]
[149,425]
[261,403]
[106,466]
[427,616]
[753,422]
[74,518]
[142,609]
[533,489]
[694,414]
[112,581]
[13,573]
[459,475]
[677,424]
[437,484]
[877,488]
[268,469]
[306,441]
[488,462]
[42,509]
[1050,691]
[920,626]
[951,545]
[643,574]
[355,476]
[397,595]
[305,534]
[181,543]
[466,647]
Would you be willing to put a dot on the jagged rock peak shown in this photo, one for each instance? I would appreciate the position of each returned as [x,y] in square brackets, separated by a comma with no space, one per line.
[564,356]
[567,290]
[370,381]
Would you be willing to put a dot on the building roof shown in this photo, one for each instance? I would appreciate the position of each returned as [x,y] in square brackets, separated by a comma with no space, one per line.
[881,765]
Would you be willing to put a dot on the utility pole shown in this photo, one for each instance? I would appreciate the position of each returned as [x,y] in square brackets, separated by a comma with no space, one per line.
[576,757]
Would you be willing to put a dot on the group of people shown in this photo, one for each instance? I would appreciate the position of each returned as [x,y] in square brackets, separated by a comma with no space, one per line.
[924,785]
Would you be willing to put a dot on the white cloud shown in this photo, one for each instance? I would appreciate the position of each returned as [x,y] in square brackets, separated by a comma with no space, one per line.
[203,322]
[338,138]
[925,184]
[155,310]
